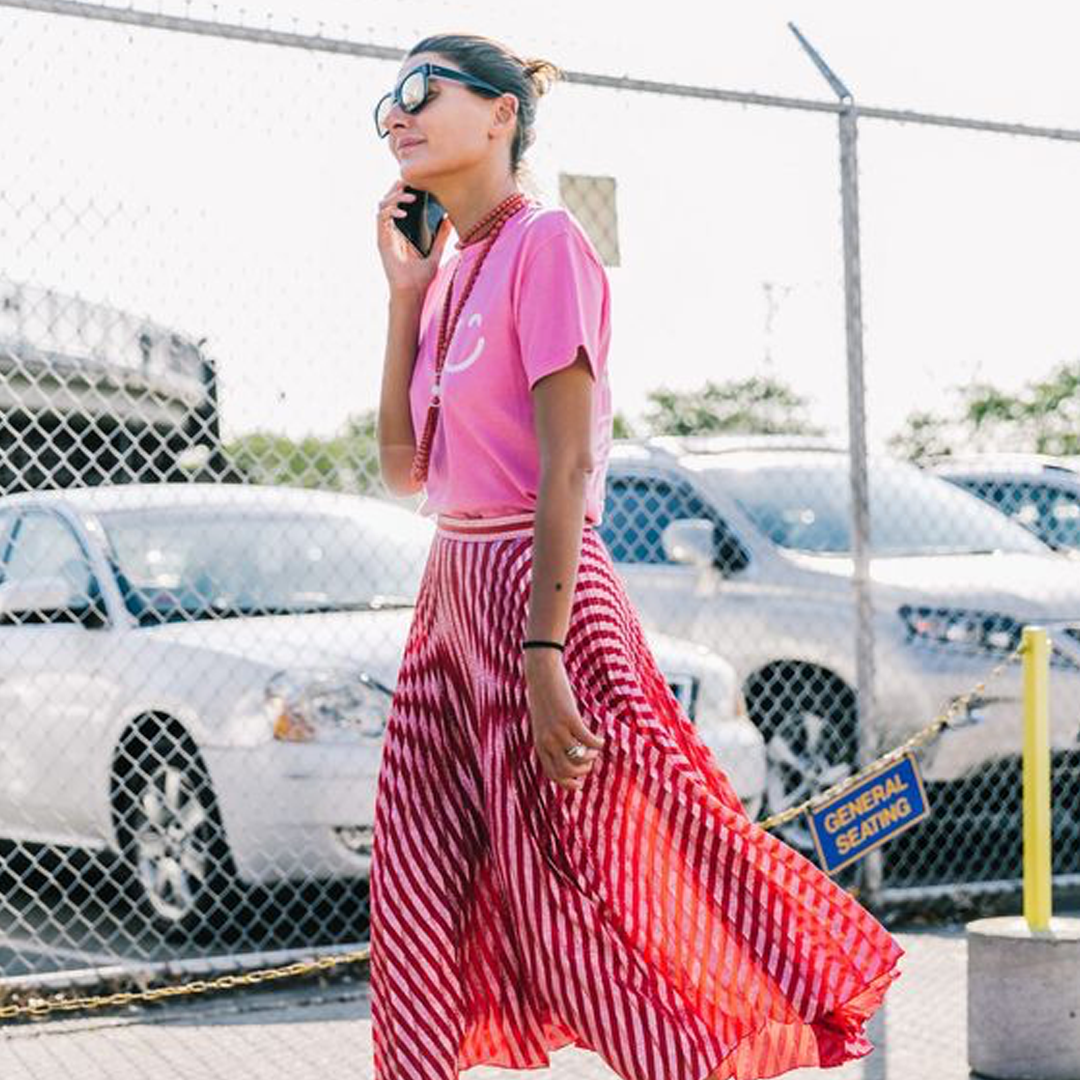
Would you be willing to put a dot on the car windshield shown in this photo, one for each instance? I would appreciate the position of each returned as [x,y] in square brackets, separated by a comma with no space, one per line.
[190,562]
[807,507]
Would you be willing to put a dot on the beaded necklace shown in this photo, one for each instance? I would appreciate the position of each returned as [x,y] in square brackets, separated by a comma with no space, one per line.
[486,229]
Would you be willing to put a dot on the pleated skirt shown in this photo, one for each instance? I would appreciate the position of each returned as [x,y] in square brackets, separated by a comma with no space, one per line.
[644,917]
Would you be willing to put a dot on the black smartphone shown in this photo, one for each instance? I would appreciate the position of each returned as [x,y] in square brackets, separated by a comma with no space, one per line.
[423,215]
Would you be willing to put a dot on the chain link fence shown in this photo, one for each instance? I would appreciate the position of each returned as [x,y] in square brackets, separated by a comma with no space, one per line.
[205,590]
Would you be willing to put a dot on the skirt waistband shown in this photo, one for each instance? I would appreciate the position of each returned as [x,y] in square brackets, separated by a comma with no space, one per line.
[488,528]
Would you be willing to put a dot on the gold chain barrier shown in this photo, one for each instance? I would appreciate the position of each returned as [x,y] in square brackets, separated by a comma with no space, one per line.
[41,1007]
[923,735]
[38,1008]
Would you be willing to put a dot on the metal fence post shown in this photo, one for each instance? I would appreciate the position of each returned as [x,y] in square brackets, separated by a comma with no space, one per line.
[860,491]
[860,494]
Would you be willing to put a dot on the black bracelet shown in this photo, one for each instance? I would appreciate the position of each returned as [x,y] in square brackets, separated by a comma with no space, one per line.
[537,644]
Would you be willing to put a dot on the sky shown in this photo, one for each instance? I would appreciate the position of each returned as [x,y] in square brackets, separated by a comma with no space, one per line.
[228,190]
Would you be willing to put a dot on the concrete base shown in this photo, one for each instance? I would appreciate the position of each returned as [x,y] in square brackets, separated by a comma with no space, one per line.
[1023,993]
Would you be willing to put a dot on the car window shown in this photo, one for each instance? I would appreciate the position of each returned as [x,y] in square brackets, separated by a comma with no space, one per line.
[1050,513]
[45,546]
[638,509]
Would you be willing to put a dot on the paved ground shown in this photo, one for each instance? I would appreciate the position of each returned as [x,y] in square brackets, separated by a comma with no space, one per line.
[306,1032]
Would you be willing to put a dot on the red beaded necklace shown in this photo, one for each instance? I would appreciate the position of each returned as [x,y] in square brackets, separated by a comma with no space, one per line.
[496,219]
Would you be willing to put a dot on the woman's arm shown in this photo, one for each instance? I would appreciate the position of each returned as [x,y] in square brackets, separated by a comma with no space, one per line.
[563,411]
[562,407]
[397,441]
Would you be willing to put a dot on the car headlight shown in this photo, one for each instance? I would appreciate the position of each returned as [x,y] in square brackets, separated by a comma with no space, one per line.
[951,626]
[326,704]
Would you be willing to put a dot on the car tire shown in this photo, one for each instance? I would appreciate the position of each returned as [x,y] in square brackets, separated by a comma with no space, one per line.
[808,719]
[170,834]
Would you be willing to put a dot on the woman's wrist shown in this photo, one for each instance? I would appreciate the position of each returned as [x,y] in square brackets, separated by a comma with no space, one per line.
[405,297]
[540,660]
[537,642]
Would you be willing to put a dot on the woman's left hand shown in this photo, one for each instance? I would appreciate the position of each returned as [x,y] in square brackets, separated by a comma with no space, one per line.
[556,722]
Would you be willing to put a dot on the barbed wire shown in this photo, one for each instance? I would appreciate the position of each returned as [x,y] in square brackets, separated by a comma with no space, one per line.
[238,31]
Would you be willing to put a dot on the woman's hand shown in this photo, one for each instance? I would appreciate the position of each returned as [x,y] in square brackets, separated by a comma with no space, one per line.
[556,723]
[406,270]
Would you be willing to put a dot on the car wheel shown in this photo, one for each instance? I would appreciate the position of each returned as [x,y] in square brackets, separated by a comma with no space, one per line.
[807,718]
[171,836]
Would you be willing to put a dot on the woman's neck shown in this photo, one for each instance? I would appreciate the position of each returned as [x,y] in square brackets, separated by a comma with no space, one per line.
[467,205]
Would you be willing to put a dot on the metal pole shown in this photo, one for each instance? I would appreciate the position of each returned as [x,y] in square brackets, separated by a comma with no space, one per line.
[1038,883]
[867,747]
[860,487]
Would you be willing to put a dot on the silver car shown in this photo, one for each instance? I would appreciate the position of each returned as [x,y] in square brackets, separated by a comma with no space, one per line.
[744,545]
[197,677]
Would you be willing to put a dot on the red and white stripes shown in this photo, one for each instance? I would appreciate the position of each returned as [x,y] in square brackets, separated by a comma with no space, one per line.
[644,917]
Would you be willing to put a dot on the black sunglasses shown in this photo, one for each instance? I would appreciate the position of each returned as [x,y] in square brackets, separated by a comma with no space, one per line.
[412,92]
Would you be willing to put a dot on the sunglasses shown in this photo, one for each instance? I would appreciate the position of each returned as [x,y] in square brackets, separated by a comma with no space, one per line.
[412,92]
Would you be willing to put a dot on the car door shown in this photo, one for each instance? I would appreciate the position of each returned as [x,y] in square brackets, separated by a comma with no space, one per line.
[50,692]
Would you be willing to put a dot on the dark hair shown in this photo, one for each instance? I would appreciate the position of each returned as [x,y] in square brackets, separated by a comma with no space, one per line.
[490,60]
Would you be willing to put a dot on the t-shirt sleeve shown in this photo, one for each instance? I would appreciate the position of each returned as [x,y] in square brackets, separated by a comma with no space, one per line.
[560,304]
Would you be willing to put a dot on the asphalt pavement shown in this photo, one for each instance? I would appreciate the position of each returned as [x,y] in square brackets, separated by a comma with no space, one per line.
[308,1031]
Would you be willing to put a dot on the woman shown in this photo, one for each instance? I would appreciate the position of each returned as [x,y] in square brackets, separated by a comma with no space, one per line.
[557,857]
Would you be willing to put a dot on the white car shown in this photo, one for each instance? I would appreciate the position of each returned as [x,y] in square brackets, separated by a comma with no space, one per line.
[197,677]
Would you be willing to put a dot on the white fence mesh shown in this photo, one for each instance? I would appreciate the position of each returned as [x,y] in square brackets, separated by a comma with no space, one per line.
[204,589]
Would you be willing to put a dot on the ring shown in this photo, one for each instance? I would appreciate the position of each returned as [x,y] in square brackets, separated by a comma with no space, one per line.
[576,752]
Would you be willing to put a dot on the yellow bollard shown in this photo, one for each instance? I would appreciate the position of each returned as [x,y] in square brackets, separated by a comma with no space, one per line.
[1037,879]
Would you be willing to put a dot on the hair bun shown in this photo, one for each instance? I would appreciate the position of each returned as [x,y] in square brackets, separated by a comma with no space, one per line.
[541,73]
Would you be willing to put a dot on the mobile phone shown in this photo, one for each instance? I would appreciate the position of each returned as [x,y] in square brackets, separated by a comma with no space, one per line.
[423,216]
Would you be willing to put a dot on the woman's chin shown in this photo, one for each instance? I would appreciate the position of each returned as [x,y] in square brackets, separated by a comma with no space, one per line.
[413,173]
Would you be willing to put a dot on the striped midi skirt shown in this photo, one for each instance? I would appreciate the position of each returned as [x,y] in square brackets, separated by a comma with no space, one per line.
[644,917]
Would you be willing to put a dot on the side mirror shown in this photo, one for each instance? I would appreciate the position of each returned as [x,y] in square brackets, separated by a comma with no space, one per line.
[690,541]
[701,542]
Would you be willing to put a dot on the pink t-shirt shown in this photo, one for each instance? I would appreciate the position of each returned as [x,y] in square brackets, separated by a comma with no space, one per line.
[540,294]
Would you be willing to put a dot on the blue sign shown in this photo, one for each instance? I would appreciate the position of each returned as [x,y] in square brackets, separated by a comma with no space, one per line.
[876,809]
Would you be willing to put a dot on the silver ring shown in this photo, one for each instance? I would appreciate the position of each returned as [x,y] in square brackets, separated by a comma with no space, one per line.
[576,752]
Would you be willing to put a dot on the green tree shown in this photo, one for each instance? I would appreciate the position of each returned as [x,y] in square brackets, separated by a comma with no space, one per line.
[346,461]
[1042,417]
[924,435]
[759,405]
[621,426]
